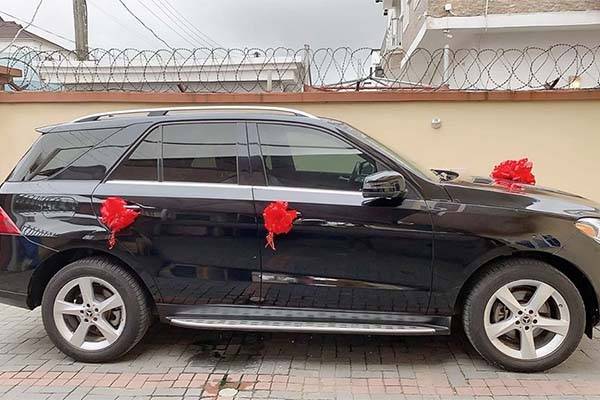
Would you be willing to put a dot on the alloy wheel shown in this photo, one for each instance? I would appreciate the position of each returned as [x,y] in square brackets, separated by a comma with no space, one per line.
[89,313]
[526,319]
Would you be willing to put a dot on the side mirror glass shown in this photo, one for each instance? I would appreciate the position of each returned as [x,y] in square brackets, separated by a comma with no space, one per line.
[384,185]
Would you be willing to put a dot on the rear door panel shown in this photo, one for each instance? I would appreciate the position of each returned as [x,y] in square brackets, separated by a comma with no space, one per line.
[198,240]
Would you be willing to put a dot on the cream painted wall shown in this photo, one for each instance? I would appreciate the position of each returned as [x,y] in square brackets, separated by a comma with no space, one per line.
[561,137]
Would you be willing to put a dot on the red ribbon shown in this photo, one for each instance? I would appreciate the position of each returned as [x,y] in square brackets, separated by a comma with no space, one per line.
[516,171]
[116,216]
[278,220]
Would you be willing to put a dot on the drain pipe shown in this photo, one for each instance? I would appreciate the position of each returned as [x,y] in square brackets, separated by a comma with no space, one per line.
[446,61]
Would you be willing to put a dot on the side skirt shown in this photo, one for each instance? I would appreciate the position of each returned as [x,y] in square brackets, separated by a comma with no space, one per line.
[272,319]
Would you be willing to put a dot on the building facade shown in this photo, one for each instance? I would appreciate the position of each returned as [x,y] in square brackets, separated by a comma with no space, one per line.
[10,29]
[571,28]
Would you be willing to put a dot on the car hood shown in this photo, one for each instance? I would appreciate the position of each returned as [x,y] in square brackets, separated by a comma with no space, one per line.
[486,192]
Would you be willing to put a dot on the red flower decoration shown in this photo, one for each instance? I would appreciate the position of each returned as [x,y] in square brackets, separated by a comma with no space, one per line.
[278,220]
[116,216]
[515,171]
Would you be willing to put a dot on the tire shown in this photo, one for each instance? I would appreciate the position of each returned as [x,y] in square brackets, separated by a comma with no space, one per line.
[507,334]
[102,330]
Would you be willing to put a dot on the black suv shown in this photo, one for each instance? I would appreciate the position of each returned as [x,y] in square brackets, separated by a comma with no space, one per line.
[379,245]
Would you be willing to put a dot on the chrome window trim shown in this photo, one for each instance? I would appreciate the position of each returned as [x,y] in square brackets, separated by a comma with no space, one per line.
[307,195]
[225,185]
[191,190]
[234,191]
[179,184]
[308,190]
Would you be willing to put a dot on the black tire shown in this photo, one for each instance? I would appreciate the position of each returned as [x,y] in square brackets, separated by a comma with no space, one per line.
[138,313]
[503,273]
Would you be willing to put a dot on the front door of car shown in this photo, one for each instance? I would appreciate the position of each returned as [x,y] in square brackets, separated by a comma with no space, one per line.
[341,253]
[196,233]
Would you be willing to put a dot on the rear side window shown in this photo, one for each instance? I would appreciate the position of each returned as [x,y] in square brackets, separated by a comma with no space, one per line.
[204,152]
[142,164]
[95,163]
[54,152]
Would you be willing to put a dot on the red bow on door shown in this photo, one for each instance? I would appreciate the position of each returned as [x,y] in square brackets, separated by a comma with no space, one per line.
[278,220]
[116,216]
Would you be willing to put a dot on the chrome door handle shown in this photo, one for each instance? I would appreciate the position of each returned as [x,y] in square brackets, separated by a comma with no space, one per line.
[310,222]
[323,223]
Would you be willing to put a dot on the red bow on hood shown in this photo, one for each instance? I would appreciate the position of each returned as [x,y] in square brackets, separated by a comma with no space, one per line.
[518,171]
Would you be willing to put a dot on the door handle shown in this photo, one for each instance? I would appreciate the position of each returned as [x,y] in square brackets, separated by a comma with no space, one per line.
[310,222]
[140,208]
[322,222]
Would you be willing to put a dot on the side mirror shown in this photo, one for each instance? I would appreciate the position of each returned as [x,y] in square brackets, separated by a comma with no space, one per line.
[384,185]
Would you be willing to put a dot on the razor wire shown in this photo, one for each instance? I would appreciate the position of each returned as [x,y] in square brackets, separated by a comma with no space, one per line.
[220,70]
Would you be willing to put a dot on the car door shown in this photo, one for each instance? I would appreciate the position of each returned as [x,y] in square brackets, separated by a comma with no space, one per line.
[342,253]
[196,233]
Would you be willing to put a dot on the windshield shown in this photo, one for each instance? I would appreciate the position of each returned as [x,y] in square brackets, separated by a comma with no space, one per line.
[413,166]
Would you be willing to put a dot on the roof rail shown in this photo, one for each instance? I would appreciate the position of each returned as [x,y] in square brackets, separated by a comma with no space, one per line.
[153,112]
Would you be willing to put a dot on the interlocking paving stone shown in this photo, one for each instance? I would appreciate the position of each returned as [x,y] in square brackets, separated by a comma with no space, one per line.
[173,363]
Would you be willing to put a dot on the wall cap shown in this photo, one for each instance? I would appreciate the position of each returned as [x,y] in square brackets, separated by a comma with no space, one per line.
[305,97]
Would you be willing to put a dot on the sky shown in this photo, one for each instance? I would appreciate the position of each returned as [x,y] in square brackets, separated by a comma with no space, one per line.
[230,23]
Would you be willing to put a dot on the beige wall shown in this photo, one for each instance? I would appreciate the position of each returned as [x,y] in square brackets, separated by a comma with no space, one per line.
[561,137]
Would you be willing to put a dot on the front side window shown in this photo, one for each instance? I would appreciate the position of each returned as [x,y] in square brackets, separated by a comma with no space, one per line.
[204,153]
[296,156]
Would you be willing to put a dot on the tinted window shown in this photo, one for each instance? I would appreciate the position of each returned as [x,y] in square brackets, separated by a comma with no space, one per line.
[304,157]
[54,151]
[200,152]
[95,163]
[142,163]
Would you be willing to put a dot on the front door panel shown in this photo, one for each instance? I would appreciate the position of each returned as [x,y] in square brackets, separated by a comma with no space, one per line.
[344,255]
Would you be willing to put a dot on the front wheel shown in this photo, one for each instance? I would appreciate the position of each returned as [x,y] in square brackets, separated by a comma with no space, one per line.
[524,315]
[94,310]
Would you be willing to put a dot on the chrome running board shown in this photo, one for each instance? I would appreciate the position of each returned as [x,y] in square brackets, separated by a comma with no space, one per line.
[301,326]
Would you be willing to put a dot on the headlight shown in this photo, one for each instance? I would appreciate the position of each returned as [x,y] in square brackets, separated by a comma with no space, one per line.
[590,227]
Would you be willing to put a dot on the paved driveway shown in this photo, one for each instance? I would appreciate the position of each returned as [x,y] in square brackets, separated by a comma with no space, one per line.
[176,363]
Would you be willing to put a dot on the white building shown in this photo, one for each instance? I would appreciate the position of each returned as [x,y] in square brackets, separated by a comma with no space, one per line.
[467,28]
[9,29]
[177,73]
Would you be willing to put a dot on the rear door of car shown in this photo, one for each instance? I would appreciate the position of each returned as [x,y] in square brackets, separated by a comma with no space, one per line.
[342,253]
[196,233]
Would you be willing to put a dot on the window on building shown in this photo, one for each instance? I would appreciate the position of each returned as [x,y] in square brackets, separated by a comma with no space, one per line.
[304,157]
[205,153]
[142,164]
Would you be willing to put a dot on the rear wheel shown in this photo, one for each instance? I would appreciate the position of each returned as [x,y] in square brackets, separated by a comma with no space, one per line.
[524,315]
[94,310]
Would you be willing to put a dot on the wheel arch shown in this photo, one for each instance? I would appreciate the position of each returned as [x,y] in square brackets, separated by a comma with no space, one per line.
[51,265]
[581,281]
